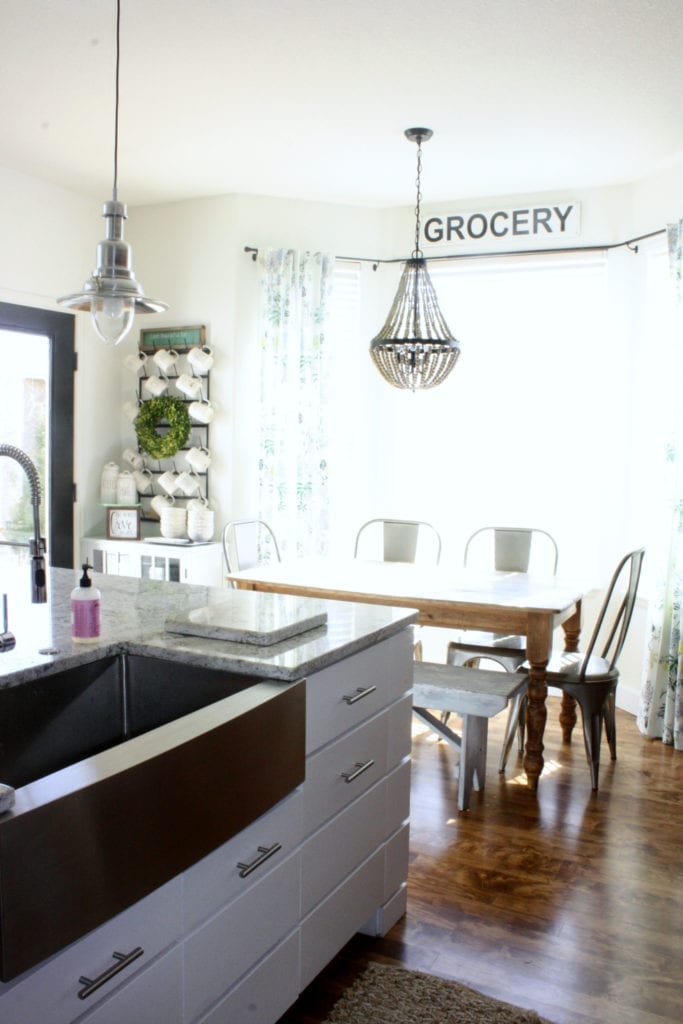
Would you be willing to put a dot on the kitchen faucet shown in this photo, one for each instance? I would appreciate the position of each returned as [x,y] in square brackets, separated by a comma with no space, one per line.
[37,545]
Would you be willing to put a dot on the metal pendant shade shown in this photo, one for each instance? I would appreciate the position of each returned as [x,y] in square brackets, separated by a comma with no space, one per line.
[112,293]
[415,348]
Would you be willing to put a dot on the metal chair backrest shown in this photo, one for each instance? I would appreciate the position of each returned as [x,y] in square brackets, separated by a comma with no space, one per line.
[510,548]
[248,543]
[401,540]
[609,635]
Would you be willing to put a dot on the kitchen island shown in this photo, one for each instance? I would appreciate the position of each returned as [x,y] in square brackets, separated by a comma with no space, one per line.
[243,928]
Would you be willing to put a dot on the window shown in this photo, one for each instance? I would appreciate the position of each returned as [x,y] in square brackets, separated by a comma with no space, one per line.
[531,428]
[36,415]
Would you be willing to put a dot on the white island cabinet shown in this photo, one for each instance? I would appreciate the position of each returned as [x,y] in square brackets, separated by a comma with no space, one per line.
[236,937]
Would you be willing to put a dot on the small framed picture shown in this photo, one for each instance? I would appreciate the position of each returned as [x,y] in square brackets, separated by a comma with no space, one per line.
[123,523]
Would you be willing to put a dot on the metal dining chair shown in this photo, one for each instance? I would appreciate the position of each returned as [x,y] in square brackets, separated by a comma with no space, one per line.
[399,540]
[248,543]
[506,549]
[590,678]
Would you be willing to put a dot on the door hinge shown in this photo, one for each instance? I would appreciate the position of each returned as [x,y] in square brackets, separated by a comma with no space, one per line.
[75,362]
[75,493]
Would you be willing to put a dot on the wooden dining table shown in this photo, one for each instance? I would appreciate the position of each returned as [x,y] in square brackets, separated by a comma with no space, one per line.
[500,602]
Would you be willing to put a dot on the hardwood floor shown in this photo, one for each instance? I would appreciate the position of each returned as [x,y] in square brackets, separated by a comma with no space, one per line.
[567,901]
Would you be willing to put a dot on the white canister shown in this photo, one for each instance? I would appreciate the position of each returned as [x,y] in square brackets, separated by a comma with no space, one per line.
[200,524]
[126,491]
[109,483]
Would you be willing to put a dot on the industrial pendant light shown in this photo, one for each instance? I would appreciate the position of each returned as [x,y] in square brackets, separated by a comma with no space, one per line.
[112,294]
[415,348]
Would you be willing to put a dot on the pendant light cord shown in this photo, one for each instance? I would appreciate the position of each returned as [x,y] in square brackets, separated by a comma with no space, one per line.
[116,103]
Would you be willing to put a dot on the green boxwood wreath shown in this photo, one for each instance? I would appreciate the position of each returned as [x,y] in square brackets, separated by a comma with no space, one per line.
[153,411]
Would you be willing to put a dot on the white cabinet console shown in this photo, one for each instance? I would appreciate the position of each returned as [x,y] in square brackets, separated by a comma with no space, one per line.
[154,560]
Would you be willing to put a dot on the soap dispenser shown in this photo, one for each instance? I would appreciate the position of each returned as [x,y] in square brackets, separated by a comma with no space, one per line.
[85,610]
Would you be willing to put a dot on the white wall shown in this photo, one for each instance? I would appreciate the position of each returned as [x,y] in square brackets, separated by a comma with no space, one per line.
[196,260]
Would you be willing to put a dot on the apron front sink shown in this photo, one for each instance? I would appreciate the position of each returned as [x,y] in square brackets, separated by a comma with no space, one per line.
[127,771]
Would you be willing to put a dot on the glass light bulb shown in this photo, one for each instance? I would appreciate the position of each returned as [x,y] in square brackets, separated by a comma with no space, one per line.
[112,317]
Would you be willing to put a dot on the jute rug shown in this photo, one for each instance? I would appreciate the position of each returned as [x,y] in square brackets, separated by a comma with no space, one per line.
[392,995]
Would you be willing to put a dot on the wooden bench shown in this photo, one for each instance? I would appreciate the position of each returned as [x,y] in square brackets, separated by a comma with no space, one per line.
[475,695]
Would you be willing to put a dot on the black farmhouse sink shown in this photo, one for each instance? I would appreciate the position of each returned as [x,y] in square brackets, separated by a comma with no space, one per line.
[127,771]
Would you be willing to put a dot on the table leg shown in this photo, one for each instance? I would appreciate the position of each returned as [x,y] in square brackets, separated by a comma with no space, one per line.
[539,641]
[572,631]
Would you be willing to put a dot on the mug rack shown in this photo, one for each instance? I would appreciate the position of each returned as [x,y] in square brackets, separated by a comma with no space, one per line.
[199,435]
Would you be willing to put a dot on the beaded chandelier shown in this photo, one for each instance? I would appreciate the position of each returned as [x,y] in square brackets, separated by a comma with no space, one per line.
[415,348]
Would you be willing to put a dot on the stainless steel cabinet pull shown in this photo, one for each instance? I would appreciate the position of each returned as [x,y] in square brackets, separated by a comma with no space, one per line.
[265,852]
[357,770]
[359,694]
[92,984]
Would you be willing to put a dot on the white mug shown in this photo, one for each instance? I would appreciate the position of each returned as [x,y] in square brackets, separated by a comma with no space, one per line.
[188,483]
[169,481]
[173,522]
[200,359]
[135,361]
[143,480]
[165,359]
[202,411]
[133,458]
[131,410]
[161,501]
[190,386]
[198,459]
[126,491]
[154,386]
[200,502]
[200,524]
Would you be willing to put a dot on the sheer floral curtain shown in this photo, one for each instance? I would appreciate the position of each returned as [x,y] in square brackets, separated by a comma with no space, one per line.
[294,398]
[661,701]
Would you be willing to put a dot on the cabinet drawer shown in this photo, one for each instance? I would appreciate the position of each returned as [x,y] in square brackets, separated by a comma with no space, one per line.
[229,944]
[342,696]
[341,845]
[217,879]
[266,992]
[337,774]
[396,856]
[49,993]
[154,996]
[337,918]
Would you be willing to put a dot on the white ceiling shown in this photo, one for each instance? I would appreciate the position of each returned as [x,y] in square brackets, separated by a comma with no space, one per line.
[309,98]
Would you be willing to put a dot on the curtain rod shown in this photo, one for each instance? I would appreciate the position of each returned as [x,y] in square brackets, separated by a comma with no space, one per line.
[630,243]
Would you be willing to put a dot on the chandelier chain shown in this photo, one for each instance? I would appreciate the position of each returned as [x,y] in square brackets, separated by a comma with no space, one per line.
[417,253]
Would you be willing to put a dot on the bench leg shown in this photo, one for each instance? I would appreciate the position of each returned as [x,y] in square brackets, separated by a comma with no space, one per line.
[472,758]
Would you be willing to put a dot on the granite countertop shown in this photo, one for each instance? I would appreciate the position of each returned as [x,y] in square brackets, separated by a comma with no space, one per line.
[134,613]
